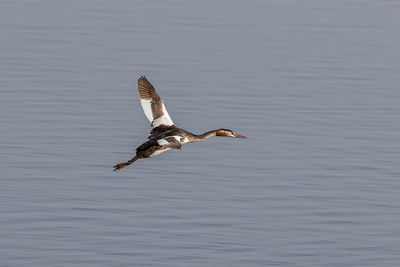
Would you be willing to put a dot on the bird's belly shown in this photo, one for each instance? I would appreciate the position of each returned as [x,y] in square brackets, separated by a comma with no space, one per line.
[159,151]
[184,140]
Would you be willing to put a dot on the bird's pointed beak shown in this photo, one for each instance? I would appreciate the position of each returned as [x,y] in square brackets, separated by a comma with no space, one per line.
[240,136]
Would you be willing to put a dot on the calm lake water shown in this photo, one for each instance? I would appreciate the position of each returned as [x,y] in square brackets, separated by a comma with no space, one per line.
[314,84]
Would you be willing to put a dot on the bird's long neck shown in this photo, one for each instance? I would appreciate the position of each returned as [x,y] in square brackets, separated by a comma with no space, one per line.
[205,135]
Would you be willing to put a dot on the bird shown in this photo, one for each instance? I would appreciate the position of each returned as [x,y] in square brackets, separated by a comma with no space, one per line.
[164,135]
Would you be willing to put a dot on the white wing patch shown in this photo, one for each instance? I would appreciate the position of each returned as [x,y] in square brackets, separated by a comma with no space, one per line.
[164,119]
[163,141]
[146,105]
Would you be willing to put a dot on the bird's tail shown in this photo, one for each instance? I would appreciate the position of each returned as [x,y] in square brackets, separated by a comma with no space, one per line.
[122,165]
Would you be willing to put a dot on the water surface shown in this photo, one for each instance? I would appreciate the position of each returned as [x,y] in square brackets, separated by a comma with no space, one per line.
[314,84]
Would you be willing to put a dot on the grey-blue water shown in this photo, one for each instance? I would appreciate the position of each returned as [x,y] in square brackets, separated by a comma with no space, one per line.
[314,84]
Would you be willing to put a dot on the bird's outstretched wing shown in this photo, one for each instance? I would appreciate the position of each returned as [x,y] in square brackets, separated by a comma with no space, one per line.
[152,104]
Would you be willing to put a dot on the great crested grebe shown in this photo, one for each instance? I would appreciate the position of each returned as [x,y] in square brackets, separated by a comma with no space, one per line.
[164,135]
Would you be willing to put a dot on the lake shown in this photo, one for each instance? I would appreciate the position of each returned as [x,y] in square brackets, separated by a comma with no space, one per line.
[313,84]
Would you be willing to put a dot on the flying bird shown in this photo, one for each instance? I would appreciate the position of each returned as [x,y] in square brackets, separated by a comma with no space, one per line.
[164,134]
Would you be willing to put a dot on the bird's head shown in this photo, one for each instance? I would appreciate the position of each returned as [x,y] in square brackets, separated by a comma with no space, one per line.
[229,133]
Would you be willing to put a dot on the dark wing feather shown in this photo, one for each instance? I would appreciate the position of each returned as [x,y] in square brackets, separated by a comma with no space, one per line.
[162,131]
